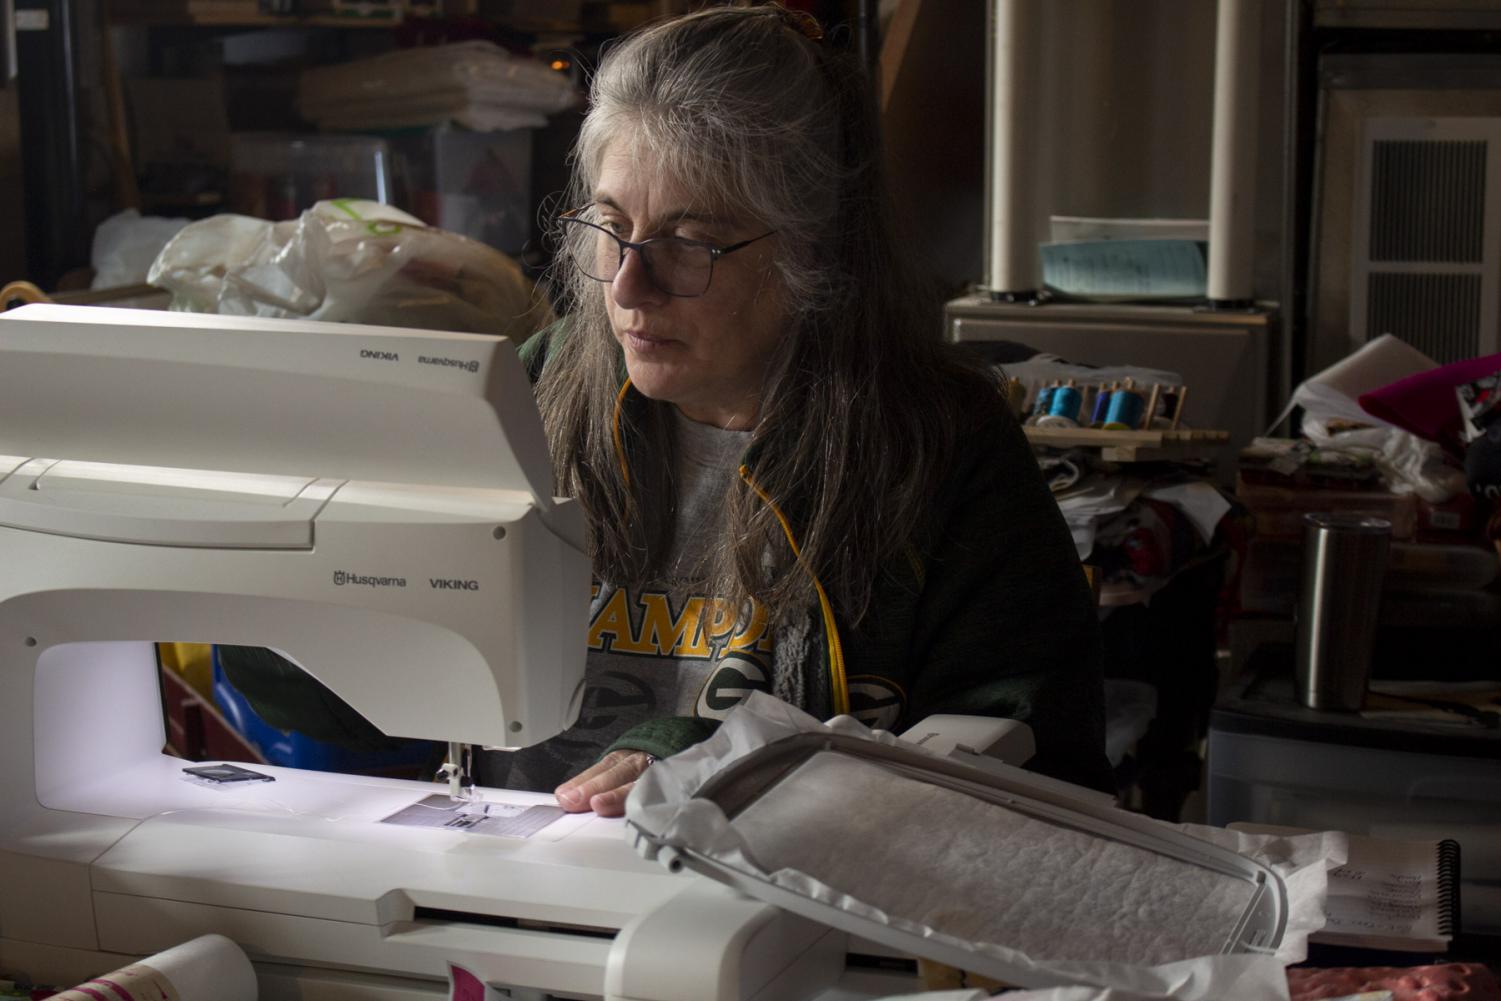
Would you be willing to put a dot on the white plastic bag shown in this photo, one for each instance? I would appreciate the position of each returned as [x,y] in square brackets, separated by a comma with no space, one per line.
[1410,465]
[125,244]
[350,261]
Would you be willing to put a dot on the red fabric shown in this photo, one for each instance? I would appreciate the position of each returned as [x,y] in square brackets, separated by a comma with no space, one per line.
[1425,403]
[1444,982]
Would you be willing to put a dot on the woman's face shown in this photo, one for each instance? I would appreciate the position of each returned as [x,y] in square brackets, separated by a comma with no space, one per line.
[708,354]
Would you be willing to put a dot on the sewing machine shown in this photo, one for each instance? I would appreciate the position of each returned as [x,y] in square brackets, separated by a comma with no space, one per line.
[375,505]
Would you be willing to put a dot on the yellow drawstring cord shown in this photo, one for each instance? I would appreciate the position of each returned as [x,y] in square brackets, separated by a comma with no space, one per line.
[831,630]
[625,470]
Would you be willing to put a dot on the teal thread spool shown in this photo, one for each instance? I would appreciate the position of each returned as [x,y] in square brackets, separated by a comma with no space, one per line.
[1041,406]
[1066,403]
[1124,412]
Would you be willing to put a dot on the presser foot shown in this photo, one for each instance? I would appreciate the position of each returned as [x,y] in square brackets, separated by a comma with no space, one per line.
[458,773]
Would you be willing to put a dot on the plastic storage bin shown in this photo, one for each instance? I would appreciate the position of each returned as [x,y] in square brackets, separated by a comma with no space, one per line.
[274,176]
[1270,761]
[1278,511]
[295,750]
[476,184]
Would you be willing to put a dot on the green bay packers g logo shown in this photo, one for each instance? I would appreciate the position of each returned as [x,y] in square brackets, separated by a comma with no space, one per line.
[875,702]
[734,677]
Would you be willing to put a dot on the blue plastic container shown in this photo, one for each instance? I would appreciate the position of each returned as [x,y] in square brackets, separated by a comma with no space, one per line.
[295,750]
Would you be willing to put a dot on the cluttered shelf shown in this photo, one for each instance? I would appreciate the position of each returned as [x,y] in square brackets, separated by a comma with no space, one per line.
[474,138]
[1135,483]
[1137,488]
[1390,436]
[1135,445]
[562,16]
[1161,314]
[177,15]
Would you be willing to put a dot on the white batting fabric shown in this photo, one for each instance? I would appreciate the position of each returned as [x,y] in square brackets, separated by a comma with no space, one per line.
[1018,893]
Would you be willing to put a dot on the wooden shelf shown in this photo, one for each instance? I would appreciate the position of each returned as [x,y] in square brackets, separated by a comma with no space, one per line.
[258,21]
[609,18]
[1160,315]
[1157,445]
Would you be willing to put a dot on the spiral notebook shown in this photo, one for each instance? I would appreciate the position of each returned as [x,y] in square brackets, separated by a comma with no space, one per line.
[1396,895]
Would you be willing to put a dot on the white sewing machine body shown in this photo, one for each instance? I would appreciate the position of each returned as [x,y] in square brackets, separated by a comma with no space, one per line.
[388,526]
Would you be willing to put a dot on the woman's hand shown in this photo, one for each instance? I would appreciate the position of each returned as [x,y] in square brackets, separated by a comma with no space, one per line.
[603,786]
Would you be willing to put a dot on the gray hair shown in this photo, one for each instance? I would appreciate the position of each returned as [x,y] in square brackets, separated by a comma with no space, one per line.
[858,416]
[722,103]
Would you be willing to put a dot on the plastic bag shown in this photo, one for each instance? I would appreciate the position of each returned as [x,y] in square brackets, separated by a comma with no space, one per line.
[349,261]
[125,244]
[1409,464]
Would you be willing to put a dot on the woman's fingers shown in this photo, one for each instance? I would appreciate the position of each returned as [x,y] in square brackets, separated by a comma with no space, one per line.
[608,781]
[611,803]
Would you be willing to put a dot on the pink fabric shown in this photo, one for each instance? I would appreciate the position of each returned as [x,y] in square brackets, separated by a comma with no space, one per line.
[463,985]
[1425,403]
[1444,982]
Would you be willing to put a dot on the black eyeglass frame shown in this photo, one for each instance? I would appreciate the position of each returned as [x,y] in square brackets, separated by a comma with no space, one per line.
[715,253]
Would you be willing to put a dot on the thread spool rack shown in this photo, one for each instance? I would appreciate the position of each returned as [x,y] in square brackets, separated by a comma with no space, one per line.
[1166,445]
[1143,432]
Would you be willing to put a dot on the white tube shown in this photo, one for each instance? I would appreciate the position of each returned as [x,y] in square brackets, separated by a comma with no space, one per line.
[1013,262]
[207,968]
[1232,178]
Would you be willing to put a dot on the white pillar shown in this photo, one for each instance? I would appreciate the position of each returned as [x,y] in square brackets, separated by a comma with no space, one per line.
[1232,180]
[1013,264]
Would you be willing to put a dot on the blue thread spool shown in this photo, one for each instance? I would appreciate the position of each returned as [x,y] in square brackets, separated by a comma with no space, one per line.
[1101,406]
[1065,403]
[1044,400]
[1125,411]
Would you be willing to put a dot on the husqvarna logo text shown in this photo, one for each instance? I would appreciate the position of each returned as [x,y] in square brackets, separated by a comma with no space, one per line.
[344,577]
[379,355]
[468,366]
[450,584]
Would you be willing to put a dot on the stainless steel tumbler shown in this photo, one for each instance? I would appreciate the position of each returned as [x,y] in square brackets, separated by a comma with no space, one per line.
[1344,563]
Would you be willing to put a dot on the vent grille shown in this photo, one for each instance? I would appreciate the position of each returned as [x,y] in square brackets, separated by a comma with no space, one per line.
[1427,201]
[1439,314]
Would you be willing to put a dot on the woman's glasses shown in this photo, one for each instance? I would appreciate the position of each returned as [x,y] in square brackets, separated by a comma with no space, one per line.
[676,266]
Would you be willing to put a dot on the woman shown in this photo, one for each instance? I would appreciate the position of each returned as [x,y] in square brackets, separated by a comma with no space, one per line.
[791,485]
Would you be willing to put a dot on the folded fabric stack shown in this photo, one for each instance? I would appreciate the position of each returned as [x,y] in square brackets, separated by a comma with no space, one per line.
[474,84]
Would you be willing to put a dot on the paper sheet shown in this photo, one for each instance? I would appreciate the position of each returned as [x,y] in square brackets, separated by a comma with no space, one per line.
[1126,268]
[502,820]
[1200,503]
[1335,392]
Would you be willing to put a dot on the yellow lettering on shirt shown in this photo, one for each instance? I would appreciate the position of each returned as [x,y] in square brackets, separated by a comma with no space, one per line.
[611,624]
[706,627]
[662,634]
[721,622]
